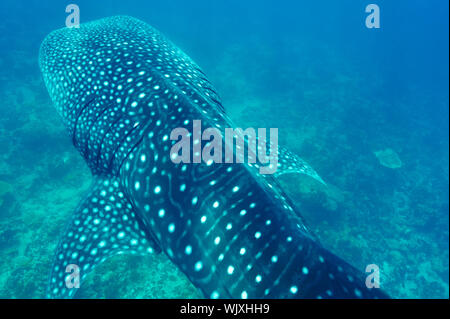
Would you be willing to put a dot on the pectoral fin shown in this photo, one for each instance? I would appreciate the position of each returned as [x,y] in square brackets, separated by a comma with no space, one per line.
[289,162]
[104,224]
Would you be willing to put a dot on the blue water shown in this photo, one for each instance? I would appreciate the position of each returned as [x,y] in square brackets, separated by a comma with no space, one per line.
[338,92]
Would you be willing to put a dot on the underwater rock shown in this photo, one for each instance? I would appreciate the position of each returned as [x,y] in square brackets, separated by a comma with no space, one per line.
[5,188]
[389,158]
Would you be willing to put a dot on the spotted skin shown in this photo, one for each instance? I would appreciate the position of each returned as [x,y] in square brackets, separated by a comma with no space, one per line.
[104,225]
[121,88]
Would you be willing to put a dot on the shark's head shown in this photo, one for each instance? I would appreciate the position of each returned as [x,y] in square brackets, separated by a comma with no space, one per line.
[73,68]
[93,59]
[96,75]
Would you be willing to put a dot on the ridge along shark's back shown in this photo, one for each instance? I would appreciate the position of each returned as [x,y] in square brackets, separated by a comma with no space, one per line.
[121,87]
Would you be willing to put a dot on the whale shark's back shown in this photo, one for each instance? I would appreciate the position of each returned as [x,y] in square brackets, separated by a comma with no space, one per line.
[101,64]
[120,86]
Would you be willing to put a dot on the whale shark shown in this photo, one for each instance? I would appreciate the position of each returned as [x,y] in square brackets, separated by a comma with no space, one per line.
[120,87]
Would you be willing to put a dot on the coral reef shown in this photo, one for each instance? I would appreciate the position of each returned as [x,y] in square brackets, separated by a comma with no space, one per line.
[5,188]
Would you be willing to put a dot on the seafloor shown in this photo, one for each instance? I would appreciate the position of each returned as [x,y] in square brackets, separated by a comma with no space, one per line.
[386,202]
